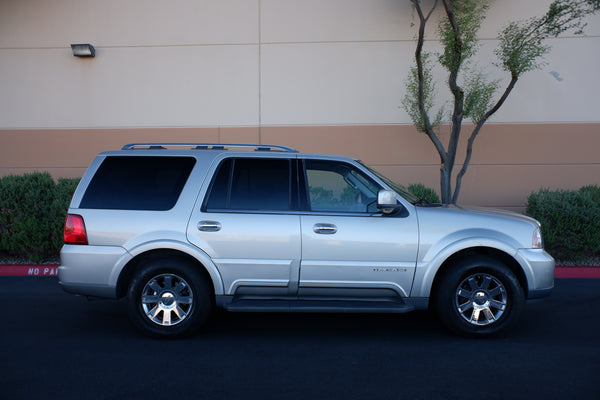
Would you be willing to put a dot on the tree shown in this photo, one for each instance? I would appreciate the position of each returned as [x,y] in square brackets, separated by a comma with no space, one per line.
[521,49]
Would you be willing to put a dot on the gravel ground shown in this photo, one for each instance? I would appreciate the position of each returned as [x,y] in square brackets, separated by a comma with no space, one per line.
[6,260]
[588,262]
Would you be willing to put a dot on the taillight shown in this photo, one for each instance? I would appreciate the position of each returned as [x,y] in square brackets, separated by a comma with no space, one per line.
[75,230]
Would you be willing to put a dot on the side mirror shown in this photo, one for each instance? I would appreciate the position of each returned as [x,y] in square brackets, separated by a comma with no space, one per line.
[386,201]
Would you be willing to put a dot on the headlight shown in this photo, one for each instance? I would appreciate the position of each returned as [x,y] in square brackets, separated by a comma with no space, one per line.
[537,242]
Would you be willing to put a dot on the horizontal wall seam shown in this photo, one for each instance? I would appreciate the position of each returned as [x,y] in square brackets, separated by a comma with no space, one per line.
[133,46]
[358,124]
[405,40]
[261,43]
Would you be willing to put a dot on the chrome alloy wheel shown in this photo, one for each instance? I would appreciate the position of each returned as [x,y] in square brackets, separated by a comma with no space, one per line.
[481,299]
[167,299]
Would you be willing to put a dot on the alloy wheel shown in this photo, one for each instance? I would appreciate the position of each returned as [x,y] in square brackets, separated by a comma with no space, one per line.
[167,299]
[481,299]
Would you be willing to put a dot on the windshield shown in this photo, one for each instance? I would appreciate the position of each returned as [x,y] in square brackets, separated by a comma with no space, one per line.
[397,188]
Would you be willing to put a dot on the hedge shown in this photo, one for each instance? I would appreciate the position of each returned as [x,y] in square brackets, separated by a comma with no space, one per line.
[32,214]
[423,192]
[570,221]
[33,209]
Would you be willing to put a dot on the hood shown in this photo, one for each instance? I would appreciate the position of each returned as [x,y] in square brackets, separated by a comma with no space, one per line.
[448,222]
[493,212]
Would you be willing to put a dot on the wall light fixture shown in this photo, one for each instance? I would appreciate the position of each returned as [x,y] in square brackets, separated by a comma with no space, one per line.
[83,50]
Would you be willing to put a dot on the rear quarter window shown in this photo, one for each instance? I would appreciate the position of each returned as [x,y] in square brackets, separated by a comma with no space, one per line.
[138,183]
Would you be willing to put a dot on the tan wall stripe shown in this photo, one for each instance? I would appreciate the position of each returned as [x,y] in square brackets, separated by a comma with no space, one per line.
[510,160]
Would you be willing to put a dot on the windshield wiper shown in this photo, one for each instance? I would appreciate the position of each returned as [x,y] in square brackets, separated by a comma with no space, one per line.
[421,201]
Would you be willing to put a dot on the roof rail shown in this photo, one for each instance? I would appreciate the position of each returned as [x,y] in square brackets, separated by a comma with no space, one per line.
[209,146]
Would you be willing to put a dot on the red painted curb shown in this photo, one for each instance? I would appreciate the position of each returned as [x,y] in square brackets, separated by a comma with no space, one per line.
[577,272]
[29,270]
[52,270]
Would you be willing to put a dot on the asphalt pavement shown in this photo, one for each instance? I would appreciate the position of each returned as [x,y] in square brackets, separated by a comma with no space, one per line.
[56,345]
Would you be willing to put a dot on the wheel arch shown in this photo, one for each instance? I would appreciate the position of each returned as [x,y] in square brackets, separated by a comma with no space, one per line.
[471,252]
[203,264]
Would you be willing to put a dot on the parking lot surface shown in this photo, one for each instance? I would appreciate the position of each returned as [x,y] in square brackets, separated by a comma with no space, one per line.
[62,346]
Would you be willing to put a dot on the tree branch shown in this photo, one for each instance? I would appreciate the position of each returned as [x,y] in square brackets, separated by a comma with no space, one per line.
[475,132]
[419,61]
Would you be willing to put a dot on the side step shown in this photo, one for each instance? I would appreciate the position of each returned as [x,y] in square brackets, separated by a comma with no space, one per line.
[316,306]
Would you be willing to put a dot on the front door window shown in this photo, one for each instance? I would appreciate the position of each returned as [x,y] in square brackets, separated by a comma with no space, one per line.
[337,187]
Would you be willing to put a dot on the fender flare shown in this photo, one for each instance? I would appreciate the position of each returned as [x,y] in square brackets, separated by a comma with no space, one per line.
[427,270]
[174,245]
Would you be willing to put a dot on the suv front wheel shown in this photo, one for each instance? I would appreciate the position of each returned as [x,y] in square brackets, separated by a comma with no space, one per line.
[169,298]
[479,296]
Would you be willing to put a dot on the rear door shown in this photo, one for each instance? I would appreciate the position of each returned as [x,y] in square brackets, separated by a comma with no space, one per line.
[349,248]
[249,225]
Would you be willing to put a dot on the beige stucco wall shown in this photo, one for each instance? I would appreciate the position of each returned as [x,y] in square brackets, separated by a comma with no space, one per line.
[323,76]
[247,63]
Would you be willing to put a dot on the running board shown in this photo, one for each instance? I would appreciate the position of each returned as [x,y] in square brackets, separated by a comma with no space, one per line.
[317,306]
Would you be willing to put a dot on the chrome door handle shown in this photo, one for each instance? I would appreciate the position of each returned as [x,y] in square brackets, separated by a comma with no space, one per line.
[325,229]
[209,226]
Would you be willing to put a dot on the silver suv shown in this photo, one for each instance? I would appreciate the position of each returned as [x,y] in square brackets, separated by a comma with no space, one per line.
[183,228]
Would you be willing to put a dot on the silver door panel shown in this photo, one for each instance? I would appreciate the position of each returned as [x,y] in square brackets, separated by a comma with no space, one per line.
[250,249]
[354,252]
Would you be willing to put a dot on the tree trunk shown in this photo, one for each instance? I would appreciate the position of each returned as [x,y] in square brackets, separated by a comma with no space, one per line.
[446,184]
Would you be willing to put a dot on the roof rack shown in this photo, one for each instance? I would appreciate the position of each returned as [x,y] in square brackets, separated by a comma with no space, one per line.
[208,146]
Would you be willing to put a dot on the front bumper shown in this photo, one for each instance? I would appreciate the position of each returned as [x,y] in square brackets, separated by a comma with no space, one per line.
[539,271]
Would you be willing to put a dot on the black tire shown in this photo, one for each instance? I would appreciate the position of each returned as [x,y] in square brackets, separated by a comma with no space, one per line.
[169,298]
[479,296]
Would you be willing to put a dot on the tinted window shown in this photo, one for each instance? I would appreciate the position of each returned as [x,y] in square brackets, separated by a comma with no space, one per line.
[339,187]
[138,183]
[252,184]
[218,198]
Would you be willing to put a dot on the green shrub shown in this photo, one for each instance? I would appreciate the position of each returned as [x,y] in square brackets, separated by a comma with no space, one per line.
[421,191]
[570,221]
[32,213]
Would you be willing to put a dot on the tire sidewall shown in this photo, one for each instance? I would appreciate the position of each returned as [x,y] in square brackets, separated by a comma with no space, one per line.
[445,296]
[202,298]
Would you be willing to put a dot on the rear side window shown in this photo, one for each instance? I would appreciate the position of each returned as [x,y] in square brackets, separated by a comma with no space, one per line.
[251,184]
[138,183]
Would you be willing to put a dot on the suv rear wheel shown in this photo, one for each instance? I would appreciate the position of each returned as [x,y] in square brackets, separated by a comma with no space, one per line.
[479,296]
[169,298]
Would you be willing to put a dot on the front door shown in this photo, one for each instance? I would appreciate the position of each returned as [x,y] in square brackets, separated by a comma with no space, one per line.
[349,248]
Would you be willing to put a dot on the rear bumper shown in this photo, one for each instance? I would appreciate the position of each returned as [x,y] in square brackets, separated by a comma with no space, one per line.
[90,270]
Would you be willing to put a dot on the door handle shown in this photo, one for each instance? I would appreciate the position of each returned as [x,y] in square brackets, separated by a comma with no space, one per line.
[209,226]
[325,229]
